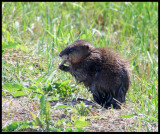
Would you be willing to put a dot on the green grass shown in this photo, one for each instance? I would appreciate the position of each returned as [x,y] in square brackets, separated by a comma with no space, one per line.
[36,32]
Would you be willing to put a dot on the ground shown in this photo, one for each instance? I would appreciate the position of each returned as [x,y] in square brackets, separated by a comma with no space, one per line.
[19,109]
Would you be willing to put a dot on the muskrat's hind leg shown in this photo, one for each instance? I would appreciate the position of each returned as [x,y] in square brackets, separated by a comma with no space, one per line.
[117,99]
[115,104]
[106,101]
[121,94]
[99,98]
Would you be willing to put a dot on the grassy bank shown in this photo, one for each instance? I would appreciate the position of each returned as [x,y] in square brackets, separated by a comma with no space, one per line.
[34,33]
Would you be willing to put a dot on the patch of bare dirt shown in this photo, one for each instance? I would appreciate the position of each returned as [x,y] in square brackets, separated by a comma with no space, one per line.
[18,109]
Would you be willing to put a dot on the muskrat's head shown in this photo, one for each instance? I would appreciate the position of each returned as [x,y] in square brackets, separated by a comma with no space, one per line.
[75,52]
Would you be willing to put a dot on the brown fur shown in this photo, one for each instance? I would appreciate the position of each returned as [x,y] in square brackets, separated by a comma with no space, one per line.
[102,70]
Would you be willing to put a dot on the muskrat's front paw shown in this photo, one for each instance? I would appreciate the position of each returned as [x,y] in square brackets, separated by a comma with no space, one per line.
[63,68]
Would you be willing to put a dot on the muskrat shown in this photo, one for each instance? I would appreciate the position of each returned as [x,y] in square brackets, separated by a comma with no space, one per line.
[102,70]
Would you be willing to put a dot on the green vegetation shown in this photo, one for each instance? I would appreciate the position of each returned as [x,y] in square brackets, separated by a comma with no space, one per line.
[33,34]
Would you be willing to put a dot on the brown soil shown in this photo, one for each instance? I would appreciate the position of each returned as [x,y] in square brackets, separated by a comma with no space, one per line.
[19,109]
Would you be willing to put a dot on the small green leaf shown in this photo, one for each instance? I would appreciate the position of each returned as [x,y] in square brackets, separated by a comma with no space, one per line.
[42,106]
[79,123]
[139,128]
[36,119]
[47,108]
[18,86]
[10,128]
[8,87]
[79,130]
[69,129]
[153,118]
[19,93]
[12,87]
[128,116]
[24,65]
[59,122]
[22,47]
[23,125]
[3,93]
[69,123]
[33,115]
[10,44]
[62,106]
[82,118]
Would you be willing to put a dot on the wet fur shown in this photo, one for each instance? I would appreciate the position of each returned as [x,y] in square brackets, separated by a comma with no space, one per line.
[102,70]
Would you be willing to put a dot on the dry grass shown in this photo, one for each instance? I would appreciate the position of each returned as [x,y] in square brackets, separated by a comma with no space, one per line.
[20,108]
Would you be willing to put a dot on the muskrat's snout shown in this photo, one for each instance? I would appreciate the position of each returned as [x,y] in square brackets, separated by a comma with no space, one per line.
[63,53]
[60,54]
[63,57]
